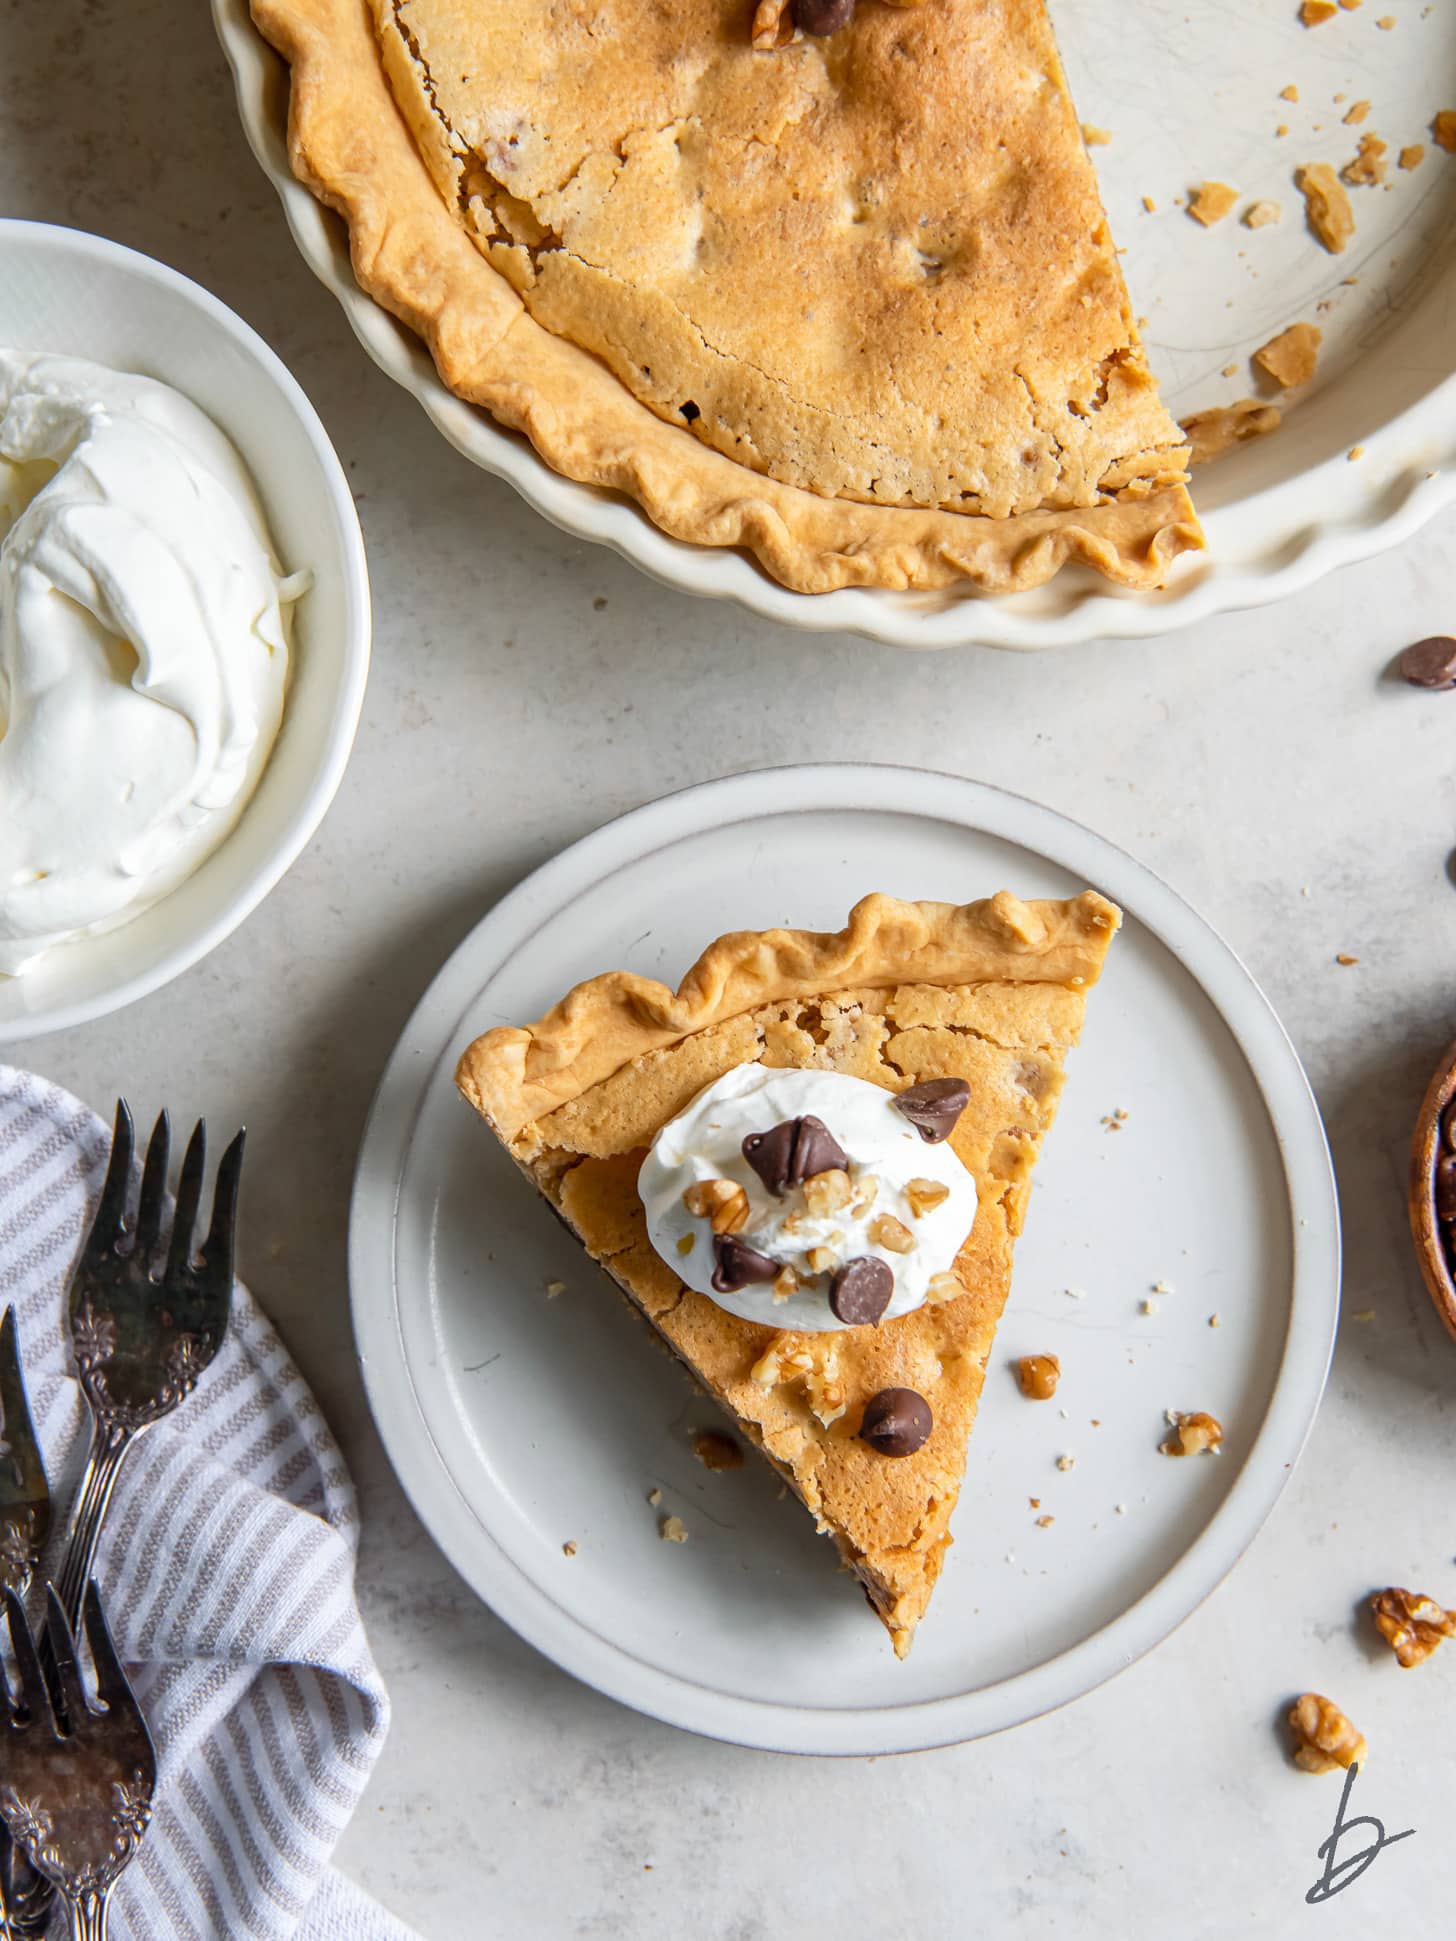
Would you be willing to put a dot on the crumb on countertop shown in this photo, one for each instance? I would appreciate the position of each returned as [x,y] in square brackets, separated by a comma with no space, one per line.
[1095,137]
[1363,1314]
[1291,93]
[672,1529]
[1259,215]
[654,1497]
[1149,1306]
[1045,1522]
[1357,114]
[1344,957]
[568,1549]
[1066,1462]
[1314,13]
[1150,205]
[553,1288]
[1412,156]
[1443,130]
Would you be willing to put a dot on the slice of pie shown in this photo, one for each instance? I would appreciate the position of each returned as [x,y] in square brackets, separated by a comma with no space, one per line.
[924,1043]
[848,301]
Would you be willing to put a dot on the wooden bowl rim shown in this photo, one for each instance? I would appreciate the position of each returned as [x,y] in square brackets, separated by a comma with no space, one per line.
[1425,1230]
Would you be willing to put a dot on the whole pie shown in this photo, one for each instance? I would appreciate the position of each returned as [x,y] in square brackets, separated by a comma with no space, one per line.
[848,300]
[806,1168]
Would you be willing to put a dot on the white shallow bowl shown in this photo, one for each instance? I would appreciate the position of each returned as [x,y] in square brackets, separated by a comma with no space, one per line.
[1187,94]
[63,290]
[518,1422]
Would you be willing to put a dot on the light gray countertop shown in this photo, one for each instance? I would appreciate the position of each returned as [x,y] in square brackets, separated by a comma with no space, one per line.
[526,687]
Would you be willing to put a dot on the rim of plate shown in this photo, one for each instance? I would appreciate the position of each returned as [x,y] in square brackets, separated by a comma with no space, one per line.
[432,1036]
[334,757]
[1305,552]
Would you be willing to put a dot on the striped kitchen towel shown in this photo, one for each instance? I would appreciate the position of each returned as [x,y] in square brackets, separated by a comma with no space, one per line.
[227,1567]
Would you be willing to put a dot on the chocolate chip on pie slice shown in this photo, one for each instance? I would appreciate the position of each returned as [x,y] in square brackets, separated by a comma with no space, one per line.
[906,995]
[846,298]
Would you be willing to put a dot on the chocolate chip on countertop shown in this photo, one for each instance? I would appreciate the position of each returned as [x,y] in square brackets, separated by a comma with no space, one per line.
[823,17]
[933,1106]
[897,1422]
[1430,663]
[739,1265]
[861,1290]
[1446,1187]
[793,1151]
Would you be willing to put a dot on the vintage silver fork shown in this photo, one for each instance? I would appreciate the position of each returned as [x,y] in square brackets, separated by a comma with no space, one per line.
[76,1798]
[141,1332]
[25,1521]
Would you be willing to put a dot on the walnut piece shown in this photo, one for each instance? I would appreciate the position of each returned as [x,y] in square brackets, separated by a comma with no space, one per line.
[1290,357]
[1193,1434]
[721,1202]
[785,1283]
[943,1287]
[1038,1376]
[1324,1738]
[1326,205]
[865,1194]
[773,25]
[1224,425]
[826,1193]
[925,1195]
[891,1234]
[1411,1623]
[817,1368]
[1211,202]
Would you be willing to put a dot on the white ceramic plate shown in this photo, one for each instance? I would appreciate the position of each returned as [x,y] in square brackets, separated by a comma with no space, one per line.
[62,290]
[1188,94]
[518,1422]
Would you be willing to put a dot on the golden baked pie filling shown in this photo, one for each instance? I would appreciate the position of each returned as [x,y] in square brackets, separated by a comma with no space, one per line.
[850,301]
[963,1015]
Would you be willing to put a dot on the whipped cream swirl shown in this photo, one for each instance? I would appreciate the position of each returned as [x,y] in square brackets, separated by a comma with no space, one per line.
[143,646]
[890,1168]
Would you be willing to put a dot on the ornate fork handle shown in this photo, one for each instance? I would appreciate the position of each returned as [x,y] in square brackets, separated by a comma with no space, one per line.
[110,1445]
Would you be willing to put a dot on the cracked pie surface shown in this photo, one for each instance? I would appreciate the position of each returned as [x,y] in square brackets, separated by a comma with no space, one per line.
[868,1424]
[847,301]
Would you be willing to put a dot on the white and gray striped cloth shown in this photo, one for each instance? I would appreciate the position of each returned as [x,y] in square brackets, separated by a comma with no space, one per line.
[227,1570]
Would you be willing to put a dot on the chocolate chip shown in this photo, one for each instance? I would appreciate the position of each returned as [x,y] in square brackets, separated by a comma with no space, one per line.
[823,17]
[1430,663]
[1446,1187]
[739,1265]
[793,1151]
[861,1290]
[933,1106]
[897,1422]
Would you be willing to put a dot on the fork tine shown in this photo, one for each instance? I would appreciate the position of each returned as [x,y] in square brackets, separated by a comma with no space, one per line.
[154,1188]
[33,1694]
[219,1244]
[189,1195]
[61,1651]
[111,1212]
[112,1685]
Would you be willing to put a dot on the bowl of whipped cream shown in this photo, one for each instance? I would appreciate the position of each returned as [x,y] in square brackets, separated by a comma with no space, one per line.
[184,625]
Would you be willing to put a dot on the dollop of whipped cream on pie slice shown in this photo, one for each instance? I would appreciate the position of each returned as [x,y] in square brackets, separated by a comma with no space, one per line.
[143,646]
[836,1173]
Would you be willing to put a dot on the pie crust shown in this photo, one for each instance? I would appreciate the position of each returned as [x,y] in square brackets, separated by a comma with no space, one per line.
[830,432]
[992,992]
